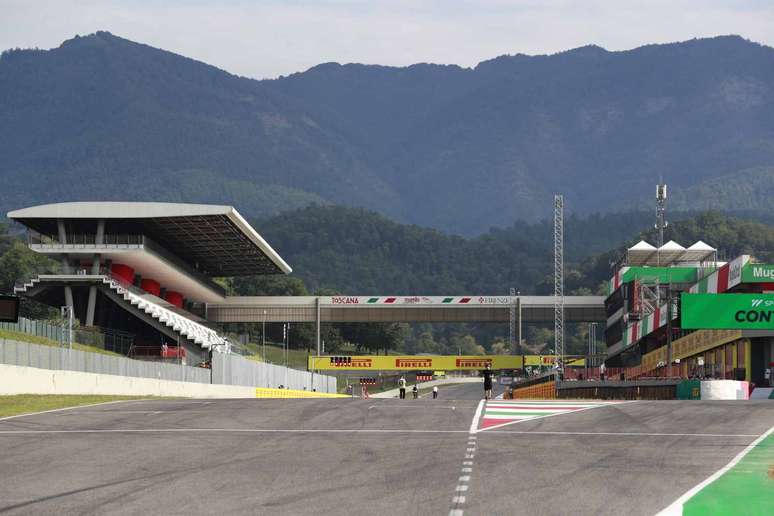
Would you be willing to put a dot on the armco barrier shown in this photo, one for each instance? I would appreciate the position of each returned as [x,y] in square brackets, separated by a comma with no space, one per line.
[290,393]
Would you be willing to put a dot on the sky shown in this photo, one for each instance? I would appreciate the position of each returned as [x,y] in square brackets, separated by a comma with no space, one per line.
[268,38]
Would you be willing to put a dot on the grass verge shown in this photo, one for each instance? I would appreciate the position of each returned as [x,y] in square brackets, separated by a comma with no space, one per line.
[42,341]
[27,403]
[297,358]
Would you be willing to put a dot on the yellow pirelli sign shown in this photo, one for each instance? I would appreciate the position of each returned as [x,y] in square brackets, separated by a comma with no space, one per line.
[414,363]
[431,362]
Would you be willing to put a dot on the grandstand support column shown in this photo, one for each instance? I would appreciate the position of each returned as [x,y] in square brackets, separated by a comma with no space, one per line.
[68,291]
[99,238]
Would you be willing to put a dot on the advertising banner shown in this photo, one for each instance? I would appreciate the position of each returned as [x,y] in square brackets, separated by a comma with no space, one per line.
[433,362]
[414,363]
[727,311]
[758,273]
[417,300]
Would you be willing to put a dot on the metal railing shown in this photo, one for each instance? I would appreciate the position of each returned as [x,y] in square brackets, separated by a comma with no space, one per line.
[103,338]
[112,240]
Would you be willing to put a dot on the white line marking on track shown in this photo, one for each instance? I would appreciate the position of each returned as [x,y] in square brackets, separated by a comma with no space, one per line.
[466,470]
[467,463]
[456,512]
[461,488]
[230,430]
[470,450]
[476,417]
[346,431]
[64,408]
[458,499]
[676,508]
[464,478]
[469,456]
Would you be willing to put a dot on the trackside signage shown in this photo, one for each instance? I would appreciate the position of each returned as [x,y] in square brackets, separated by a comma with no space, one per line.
[727,311]
[434,362]
[758,273]
[414,363]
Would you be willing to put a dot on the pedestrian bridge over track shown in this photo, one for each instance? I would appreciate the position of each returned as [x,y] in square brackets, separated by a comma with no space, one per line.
[530,309]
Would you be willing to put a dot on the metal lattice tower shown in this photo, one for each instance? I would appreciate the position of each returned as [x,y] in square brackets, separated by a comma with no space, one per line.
[512,327]
[661,222]
[559,278]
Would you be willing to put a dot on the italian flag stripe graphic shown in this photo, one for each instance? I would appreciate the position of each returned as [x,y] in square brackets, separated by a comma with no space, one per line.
[506,412]
[373,300]
[722,281]
[448,300]
[464,300]
[389,300]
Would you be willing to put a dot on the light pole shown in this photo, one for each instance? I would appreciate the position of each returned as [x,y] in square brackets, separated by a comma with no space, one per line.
[285,342]
[263,336]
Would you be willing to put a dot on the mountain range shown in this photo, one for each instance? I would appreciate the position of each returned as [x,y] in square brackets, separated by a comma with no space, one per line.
[457,149]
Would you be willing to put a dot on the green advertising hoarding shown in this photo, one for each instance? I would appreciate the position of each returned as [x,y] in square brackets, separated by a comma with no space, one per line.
[758,273]
[727,311]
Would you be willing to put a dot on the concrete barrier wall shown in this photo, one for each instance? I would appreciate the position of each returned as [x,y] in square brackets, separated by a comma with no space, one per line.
[31,380]
[724,390]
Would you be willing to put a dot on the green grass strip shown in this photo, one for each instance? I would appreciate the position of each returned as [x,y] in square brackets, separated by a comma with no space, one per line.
[747,488]
[28,403]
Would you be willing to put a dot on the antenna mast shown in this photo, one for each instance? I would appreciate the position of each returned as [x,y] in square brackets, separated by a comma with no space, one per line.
[559,279]
[661,222]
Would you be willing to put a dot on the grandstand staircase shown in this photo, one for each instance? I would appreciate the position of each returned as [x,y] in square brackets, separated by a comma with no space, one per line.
[141,301]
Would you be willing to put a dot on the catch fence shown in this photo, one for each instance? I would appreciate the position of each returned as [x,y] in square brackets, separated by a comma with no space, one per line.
[226,369]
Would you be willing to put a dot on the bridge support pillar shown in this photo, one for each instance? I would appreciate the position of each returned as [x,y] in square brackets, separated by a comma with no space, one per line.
[317,323]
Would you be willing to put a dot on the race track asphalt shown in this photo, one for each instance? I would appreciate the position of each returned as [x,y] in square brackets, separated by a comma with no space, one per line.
[364,457]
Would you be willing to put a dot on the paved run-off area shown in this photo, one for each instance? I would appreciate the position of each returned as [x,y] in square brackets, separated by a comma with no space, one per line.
[365,457]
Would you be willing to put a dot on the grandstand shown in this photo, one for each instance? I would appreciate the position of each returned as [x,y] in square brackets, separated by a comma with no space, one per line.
[143,267]
[675,311]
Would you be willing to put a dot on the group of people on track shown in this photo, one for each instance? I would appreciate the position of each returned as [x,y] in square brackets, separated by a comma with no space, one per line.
[486,373]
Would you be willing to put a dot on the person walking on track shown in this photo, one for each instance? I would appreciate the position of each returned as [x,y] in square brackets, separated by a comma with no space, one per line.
[488,382]
[435,391]
[402,386]
[415,390]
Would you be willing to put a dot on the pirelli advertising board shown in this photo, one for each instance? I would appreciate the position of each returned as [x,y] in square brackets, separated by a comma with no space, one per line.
[727,311]
[431,363]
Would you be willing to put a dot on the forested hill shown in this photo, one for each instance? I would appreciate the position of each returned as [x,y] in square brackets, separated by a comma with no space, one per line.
[354,251]
[453,148]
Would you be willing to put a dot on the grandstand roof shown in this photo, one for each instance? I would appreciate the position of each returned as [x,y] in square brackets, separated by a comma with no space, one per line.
[214,238]
[671,253]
